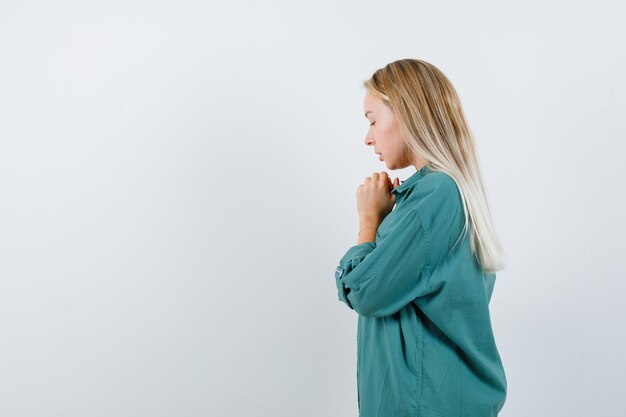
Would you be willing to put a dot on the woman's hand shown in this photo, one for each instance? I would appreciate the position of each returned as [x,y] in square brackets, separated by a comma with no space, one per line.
[374,199]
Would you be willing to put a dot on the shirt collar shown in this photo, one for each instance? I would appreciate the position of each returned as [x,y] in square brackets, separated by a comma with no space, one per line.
[410,182]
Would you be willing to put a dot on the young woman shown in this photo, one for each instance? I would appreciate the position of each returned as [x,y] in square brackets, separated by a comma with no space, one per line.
[423,269]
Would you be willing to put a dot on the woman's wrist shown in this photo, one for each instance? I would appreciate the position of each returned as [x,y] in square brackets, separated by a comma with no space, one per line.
[367,230]
[368,221]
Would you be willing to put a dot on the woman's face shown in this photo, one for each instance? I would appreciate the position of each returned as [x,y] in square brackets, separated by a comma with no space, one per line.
[384,134]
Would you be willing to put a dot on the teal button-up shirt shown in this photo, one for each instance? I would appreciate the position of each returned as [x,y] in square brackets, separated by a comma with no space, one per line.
[425,345]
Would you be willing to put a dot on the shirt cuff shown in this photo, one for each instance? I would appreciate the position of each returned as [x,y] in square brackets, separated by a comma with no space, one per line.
[353,256]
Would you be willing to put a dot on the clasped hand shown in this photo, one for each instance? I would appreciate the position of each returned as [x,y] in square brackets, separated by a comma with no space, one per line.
[374,198]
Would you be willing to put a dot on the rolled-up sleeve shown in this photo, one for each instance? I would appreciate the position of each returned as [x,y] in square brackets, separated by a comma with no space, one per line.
[379,279]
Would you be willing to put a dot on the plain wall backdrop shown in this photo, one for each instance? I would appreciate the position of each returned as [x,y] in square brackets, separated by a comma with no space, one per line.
[178,183]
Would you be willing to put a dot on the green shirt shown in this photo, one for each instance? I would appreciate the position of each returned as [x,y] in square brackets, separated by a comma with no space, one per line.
[425,345]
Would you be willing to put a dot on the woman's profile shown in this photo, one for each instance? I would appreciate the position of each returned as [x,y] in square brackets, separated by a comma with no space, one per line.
[423,269]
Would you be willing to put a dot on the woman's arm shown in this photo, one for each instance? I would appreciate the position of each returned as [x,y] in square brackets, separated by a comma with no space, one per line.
[379,279]
[367,230]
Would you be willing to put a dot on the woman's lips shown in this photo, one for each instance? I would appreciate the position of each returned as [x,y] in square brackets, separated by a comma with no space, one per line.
[380,157]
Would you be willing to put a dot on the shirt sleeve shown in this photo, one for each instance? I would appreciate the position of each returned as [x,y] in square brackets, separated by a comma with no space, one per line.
[379,279]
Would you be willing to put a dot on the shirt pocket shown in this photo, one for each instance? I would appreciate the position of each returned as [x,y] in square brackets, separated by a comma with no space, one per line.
[387,225]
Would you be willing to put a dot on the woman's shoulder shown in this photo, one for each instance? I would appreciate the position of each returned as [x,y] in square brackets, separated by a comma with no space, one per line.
[440,182]
[436,194]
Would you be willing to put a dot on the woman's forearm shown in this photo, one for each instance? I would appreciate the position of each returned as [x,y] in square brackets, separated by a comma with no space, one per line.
[367,231]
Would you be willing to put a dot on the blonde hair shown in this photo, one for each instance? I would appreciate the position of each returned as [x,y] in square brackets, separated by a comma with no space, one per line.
[433,126]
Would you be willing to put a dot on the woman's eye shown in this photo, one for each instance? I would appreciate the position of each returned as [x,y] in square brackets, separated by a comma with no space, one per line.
[371,124]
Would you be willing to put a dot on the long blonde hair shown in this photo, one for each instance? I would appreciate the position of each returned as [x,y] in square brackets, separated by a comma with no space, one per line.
[433,126]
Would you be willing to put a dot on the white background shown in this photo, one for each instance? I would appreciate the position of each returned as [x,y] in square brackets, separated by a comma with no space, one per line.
[178,179]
